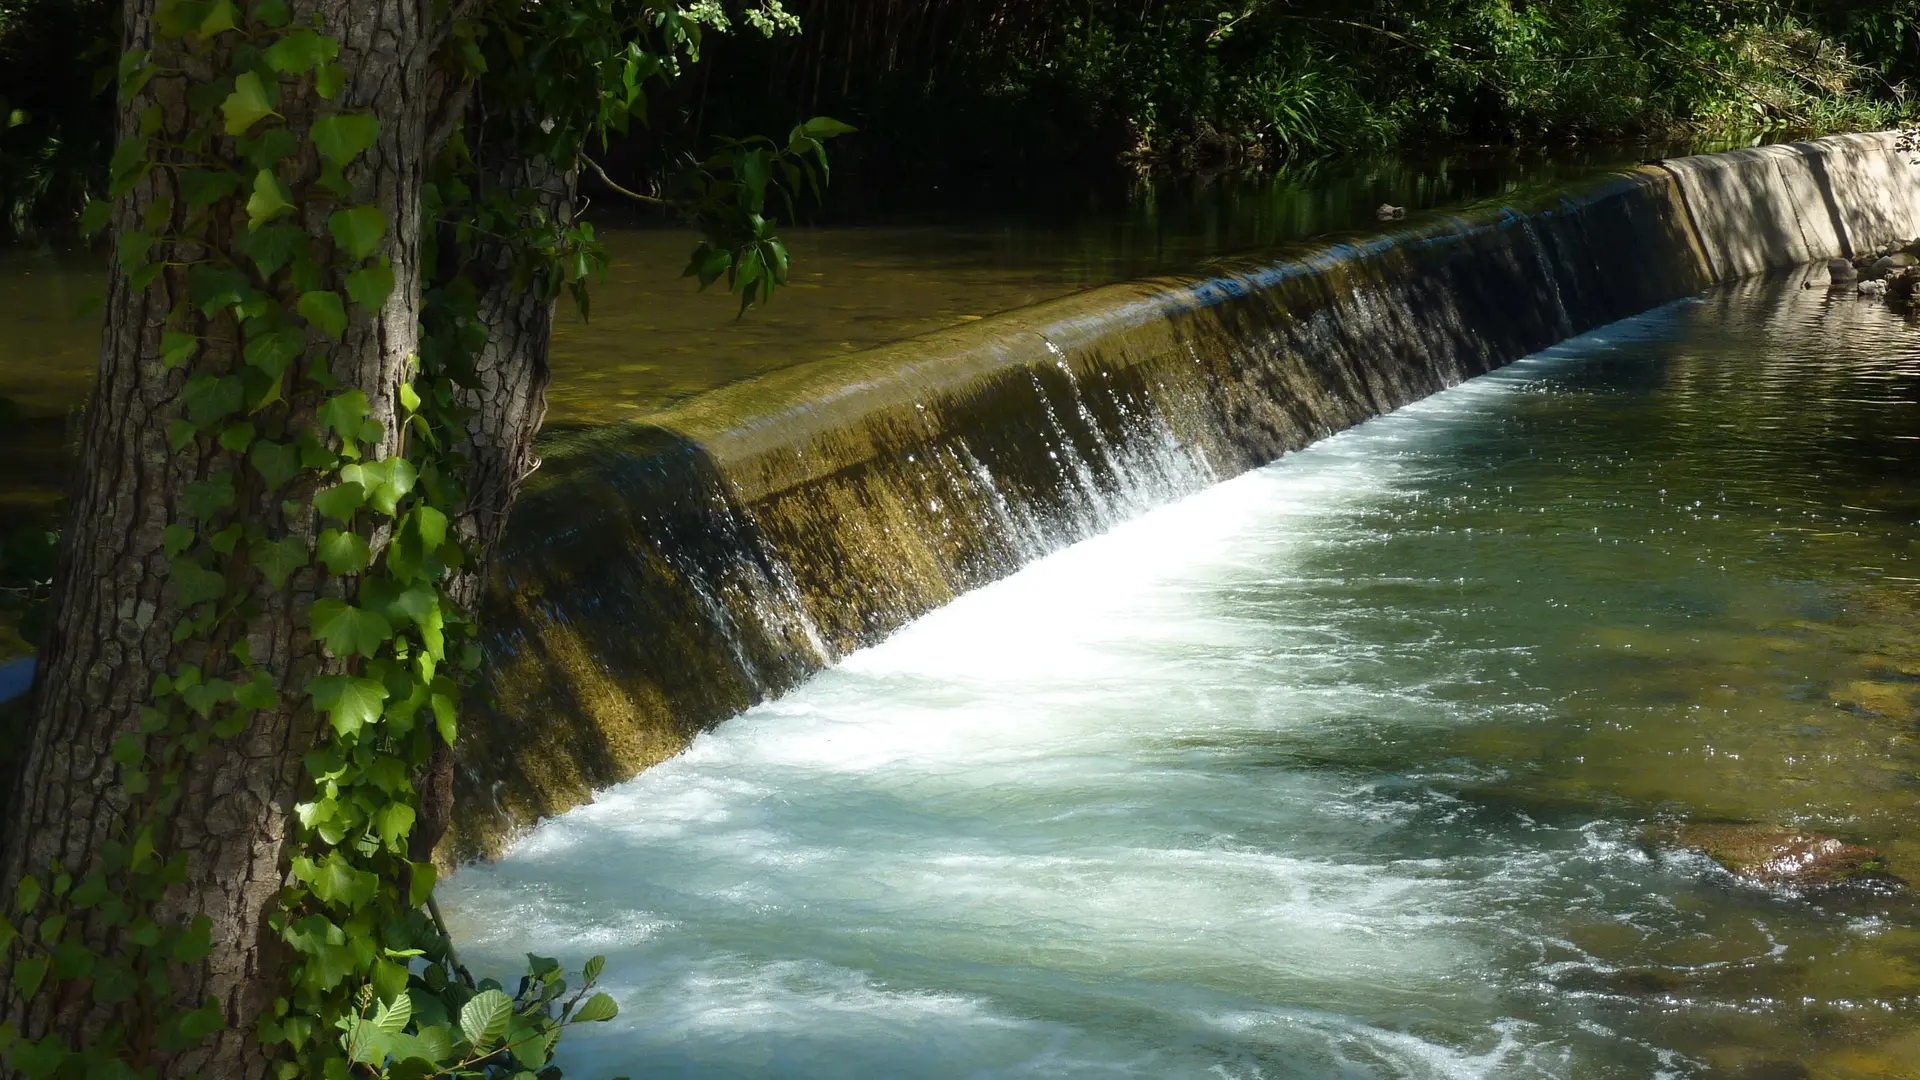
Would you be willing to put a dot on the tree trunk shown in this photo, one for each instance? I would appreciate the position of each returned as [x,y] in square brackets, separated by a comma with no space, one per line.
[113,613]
[508,402]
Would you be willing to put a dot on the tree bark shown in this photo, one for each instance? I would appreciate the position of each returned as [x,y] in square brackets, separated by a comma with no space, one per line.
[508,404]
[113,612]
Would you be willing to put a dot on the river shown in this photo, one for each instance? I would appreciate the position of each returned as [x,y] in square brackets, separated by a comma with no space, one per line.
[1353,766]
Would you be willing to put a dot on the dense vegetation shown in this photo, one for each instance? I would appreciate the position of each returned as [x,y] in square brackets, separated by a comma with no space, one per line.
[1013,84]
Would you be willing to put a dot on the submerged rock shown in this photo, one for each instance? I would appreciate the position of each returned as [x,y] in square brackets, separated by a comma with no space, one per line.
[1841,272]
[1390,212]
[1786,858]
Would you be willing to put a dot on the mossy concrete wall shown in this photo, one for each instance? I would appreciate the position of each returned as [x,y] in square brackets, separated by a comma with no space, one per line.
[663,575]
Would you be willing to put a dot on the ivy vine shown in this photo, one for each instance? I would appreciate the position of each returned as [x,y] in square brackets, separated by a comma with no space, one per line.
[297,484]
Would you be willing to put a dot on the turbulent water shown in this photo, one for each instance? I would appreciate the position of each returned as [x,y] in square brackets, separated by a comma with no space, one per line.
[1343,768]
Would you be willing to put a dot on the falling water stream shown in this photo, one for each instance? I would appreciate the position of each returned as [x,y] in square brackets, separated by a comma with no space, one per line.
[1347,767]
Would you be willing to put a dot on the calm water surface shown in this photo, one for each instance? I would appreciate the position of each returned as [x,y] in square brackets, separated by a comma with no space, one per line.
[653,338]
[1343,768]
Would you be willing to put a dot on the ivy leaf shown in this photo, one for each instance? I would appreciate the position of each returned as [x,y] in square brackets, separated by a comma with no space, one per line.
[211,287]
[348,630]
[246,105]
[393,822]
[596,1009]
[219,18]
[278,559]
[269,200]
[357,230]
[369,287]
[826,127]
[387,481]
[212,398]
[300,52]
[324,310]
[421,887]
[95,216]
[345,414]
[275,462]
[344,136]
[336,881]
[271,13]
[329,81]
[205,498]
[271,246]
[349,701]
[204,187]
[195,584]
[273,350]
[343,552]
[29,973]
[177,348]
[175,539]
[483,1019]
[341,500]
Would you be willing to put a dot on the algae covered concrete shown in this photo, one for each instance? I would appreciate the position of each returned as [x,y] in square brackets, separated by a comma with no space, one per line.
[662,575]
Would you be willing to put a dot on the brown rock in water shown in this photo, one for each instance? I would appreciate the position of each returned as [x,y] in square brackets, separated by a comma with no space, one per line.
[1840,272]
[1789,858]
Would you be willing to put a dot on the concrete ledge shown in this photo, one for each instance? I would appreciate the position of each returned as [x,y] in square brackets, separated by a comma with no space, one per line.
[663,575]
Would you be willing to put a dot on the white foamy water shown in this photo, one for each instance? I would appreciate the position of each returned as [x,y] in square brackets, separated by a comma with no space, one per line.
[1194,798]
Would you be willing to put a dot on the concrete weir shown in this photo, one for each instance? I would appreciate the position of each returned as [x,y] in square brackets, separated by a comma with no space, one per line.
[663,575]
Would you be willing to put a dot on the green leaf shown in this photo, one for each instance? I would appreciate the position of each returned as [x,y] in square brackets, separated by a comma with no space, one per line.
[329,80]
[270,13]
[268,201]
[324,310]
[246,105]
[204,187]
[340,501]
[278,559]
[350,702]
[826,127]
[342,552]
[219,18]
[270,147]
[369,287]
[272,351]
[28,973]
[193,583]
[387,481]
[420,888]
[595,965]
[236,437]
[212,398]
[276,463]
[211,287]
[177,348]
[596,1009]
[431,525]
[336,881]
[358,229]
[26,896]
[300,52]
[272,246]
[392,823]
[344,136]
[95,216]
[483,1019]
[175,539]
[349,631]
